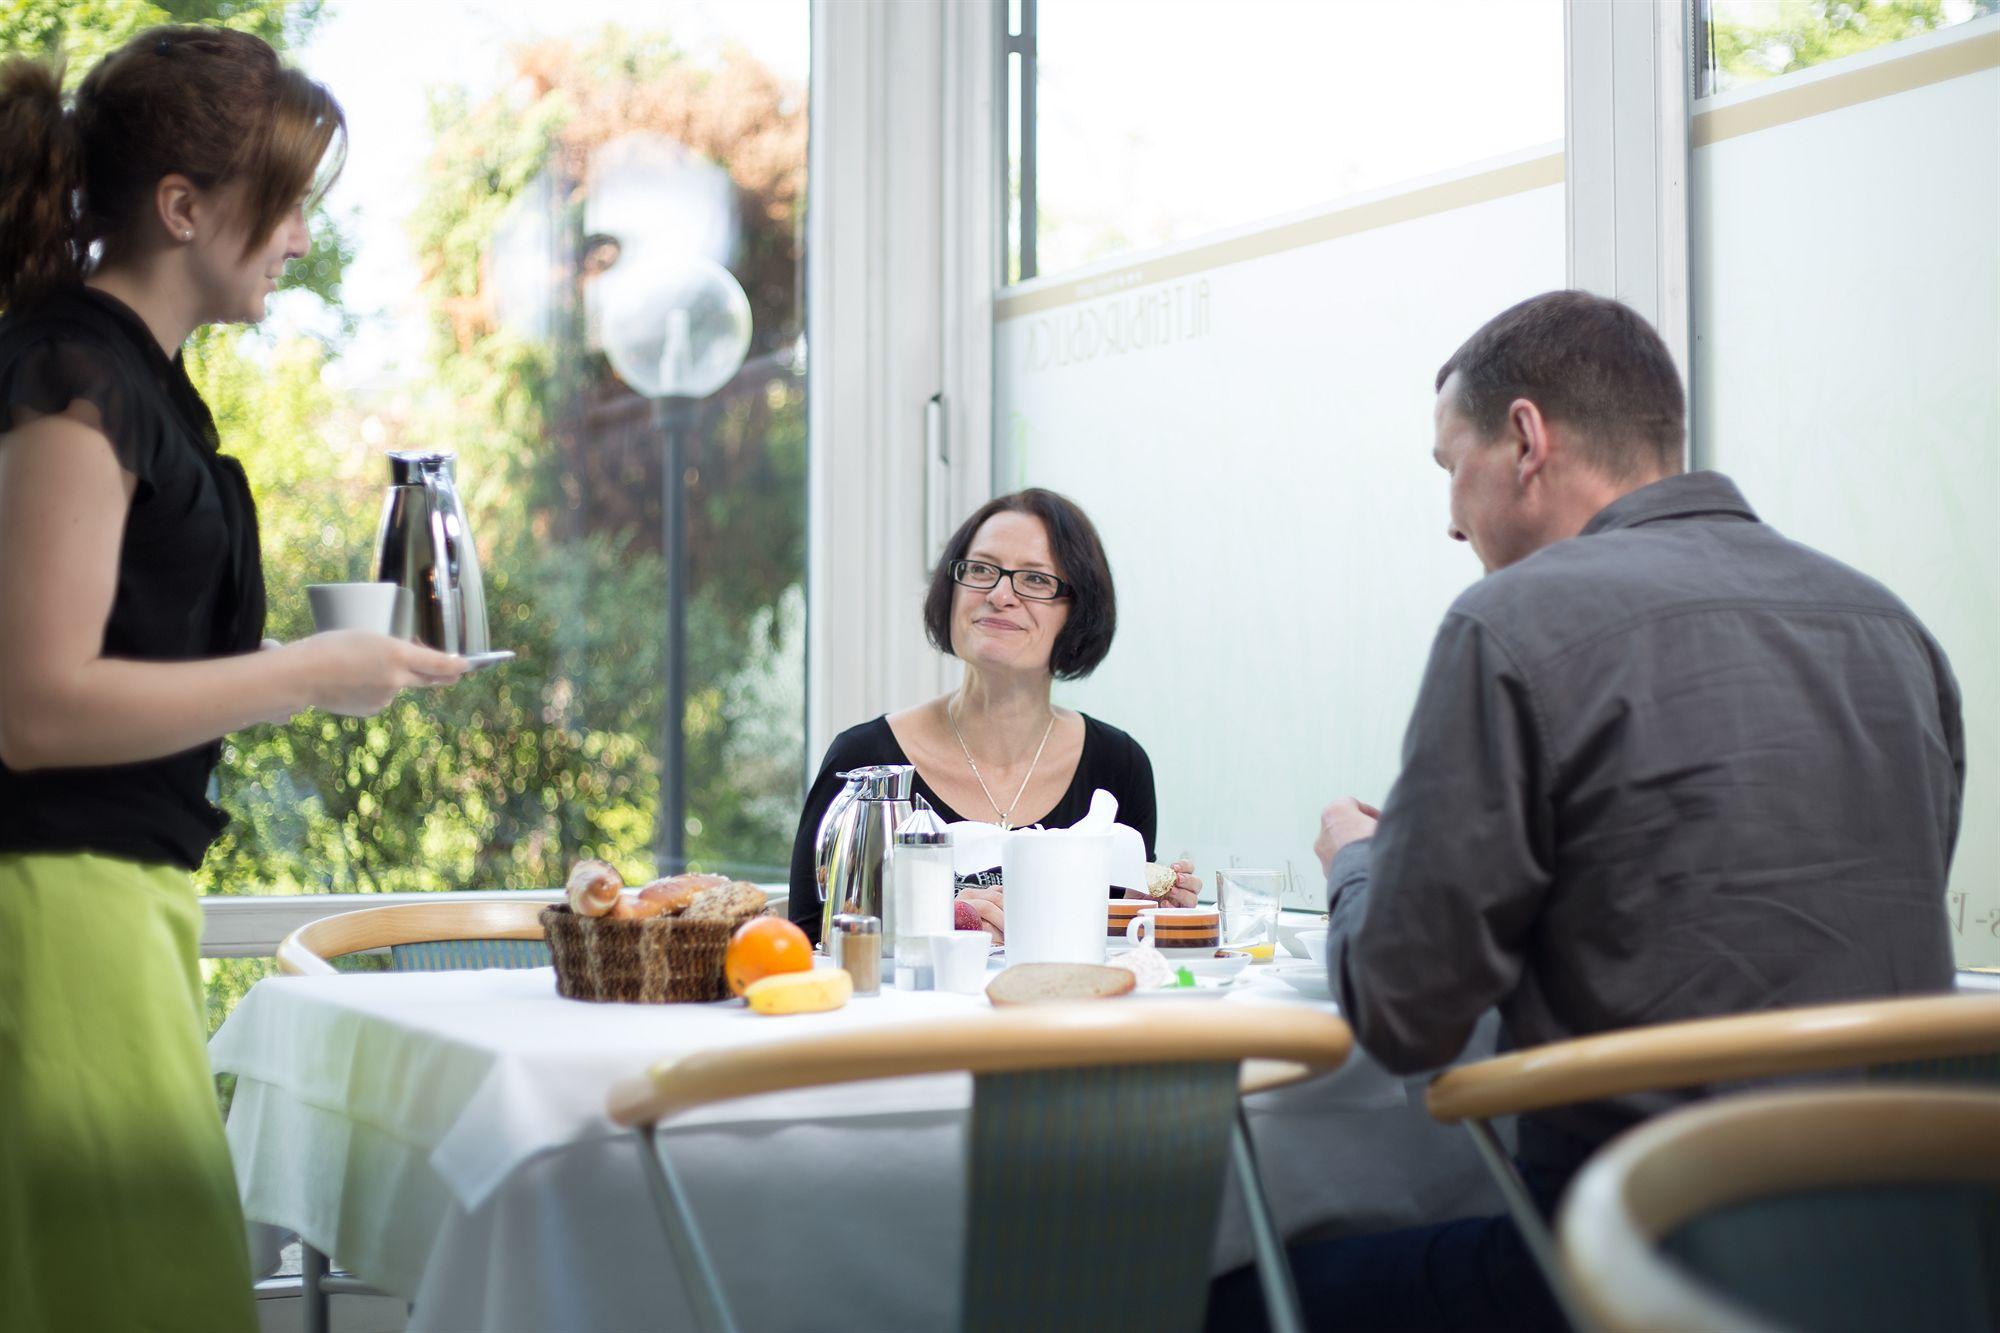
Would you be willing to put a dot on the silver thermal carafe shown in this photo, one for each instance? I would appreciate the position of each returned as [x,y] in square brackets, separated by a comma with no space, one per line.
[853,844]
[423,544]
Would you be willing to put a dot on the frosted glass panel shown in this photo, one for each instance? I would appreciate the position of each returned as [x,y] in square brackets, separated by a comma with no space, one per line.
[1847,356]
[1161,120]
[1249,423]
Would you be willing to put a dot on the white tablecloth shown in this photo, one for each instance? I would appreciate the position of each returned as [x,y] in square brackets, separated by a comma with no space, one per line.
[443,1136]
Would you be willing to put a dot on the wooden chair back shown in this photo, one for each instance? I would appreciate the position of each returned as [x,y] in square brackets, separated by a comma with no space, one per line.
[1099,1131]
[1956,1036]
[1922,1038]
[440,936]
[1813,1211]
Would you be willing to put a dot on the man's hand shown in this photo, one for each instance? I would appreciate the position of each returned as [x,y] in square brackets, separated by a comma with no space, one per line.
[1346,820]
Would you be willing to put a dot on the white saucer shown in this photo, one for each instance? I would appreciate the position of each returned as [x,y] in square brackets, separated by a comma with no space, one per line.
[1307,978]
[1206,987]
[1221,964]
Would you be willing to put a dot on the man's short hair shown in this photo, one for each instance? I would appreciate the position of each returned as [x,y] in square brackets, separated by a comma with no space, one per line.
[1590,363]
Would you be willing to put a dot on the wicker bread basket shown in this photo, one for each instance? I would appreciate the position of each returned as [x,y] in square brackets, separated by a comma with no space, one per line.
[658,960]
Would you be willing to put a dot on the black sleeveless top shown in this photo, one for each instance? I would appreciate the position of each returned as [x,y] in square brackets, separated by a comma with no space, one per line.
[1110,759]
[190,578]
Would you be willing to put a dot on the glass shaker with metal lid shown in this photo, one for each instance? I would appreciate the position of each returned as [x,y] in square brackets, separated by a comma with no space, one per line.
[921,888]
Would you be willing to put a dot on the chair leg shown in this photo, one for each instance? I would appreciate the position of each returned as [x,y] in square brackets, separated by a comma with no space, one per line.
[1274,1266]
[312,1288]
[698,1277]
[1528,1218]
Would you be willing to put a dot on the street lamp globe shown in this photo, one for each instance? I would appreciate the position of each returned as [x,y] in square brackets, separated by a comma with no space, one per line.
[674,329]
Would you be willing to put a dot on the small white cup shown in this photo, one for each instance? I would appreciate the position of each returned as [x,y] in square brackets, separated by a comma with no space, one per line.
[958,960]
[380,608]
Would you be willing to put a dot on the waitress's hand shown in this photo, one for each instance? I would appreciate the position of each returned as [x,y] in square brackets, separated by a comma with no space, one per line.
[991,906]
[356,673]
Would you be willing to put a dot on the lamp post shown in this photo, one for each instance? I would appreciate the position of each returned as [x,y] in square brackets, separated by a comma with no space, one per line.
[675,331]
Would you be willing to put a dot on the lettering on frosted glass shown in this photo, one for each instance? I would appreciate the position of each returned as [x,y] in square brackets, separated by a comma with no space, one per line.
[1141,322]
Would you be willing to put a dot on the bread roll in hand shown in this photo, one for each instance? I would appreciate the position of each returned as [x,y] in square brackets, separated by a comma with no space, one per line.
[595,889]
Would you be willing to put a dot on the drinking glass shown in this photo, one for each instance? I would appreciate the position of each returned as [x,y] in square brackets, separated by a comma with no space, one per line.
[1249,902]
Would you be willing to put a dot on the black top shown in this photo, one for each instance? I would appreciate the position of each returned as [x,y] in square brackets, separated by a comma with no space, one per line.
[190,579]
[1675,767]
[1110,759]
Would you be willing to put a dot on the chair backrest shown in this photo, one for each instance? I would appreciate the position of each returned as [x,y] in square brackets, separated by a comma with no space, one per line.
[1817,1211]
[1097,1147]
[428,937]
[1094,1196]
[1928,1037]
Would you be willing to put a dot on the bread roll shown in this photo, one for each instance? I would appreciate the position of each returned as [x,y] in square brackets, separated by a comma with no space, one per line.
[638,907]
[594,889]
[1038,983]
[728,901]
[676,891]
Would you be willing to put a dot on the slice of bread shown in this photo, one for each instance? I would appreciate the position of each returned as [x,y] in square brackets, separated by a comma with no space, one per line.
[1039,983]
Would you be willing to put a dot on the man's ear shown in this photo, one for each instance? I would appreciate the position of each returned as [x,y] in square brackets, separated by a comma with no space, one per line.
[1529,432]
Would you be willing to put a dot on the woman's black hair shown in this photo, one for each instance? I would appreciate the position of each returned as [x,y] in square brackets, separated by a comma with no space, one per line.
[1080,561]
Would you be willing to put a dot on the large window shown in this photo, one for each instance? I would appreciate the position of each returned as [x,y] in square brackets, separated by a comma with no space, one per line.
[1744,42]
[516,171]
[1140,123]
[1288,216]
[1846,368]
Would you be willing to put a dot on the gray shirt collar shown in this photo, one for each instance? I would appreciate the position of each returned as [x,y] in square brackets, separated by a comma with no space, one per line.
[1687,495]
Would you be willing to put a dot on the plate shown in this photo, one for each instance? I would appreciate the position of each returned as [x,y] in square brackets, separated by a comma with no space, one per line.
[1204,988]
[1308,979]
[1224,964]
[1288,935]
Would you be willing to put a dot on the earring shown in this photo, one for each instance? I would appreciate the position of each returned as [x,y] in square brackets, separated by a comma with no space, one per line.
[187,235]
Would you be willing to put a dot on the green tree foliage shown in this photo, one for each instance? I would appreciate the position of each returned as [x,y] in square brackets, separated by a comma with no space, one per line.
[1751,42]
[84,30]
[503,780]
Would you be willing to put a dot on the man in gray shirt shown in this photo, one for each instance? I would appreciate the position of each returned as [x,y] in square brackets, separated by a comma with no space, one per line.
[1664,764]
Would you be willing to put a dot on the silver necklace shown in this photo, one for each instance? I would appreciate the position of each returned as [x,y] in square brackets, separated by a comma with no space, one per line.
[1006,820]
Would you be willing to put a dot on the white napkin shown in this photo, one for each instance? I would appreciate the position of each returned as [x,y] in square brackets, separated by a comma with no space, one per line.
[975,847]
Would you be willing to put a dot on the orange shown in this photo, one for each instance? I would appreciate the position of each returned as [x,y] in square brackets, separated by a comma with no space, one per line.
[763,947]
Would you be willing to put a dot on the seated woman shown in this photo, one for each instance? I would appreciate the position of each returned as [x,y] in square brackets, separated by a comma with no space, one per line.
[1023,597]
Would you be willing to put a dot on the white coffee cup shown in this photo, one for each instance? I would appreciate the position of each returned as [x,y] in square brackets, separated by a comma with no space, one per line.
[1177,932]
[1056,883]
[958,960]
[380,608]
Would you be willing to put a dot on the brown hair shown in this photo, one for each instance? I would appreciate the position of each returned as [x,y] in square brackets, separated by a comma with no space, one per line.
[1080,561]
[1588,362]
[210,104]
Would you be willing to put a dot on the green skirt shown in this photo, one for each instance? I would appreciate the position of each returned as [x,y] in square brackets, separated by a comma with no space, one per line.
[118,1207]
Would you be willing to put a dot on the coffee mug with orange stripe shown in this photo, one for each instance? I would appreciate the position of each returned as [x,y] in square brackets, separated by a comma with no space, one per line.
[1178,932]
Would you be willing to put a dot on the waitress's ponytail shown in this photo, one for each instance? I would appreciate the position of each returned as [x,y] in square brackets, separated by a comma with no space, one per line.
[41,173]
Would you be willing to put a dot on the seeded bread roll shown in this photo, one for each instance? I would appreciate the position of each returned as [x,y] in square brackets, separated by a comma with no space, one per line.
[726,902]
[676,892]
[1040,983]
[1159,880]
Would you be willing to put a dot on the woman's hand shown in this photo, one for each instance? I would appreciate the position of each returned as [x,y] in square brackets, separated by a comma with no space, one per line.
[1185,892]
[356,673]
[991,906]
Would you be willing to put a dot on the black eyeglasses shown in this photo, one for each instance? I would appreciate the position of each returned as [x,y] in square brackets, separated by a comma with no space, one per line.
[1030,583]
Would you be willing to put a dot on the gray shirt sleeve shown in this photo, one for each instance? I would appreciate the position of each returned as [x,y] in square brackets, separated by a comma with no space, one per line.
[1430,920]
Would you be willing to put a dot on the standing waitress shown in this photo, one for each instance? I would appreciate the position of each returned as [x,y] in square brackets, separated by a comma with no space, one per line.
[131,608]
